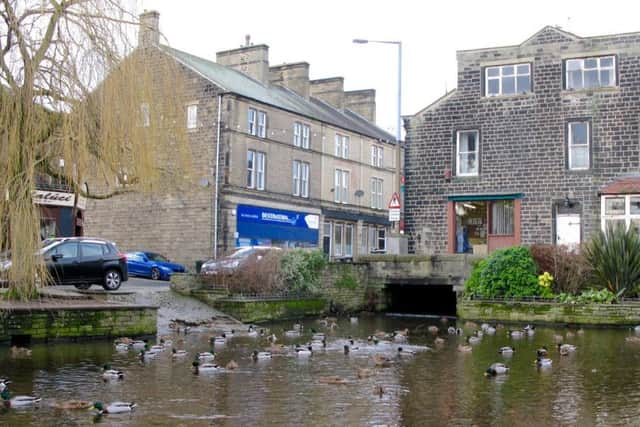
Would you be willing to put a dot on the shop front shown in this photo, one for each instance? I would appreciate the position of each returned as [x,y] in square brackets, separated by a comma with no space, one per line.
[264,226]
[61,215]
[480,224]
[346,234]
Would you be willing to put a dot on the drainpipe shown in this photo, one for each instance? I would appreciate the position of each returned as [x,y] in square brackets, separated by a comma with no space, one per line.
[217,190]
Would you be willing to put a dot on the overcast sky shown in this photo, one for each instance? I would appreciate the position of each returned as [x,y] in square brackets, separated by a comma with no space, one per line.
[321,34]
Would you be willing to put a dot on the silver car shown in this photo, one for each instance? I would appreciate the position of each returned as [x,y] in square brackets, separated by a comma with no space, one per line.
[229,264]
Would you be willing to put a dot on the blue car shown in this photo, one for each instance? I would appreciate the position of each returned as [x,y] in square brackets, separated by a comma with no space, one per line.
[151,265]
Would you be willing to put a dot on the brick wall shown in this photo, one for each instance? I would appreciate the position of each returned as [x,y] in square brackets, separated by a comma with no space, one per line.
[522,137]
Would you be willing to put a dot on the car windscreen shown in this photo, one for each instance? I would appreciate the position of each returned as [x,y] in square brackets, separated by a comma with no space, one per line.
[156,257]
[242,253]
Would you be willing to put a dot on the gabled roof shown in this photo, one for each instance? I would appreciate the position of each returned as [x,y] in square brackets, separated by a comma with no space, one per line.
[550,34]
[238,83]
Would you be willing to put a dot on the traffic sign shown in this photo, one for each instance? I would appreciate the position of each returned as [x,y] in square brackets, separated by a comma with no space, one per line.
[394,203]
[394,215]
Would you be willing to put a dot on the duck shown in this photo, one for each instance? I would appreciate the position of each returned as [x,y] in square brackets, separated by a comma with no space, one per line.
[122,347]
[515,334]
[146,355]
[484,326]
[451,330]
[251,332]
[353,320]
[261,355]
[530,330]
[219,340]
[20,351]
[205,356]
[292,333]
[506,350]
[302,351]
[438,341]
[318,345]
[405,352]
[72,405]
[479,333]
[4,383]
[298,327]
[114,407]
[496,369]
[333,379]
[231,365]
[558,338]
[272,338]
[570,334]
[636,329]
[18,401]
[543,362]
[542,351]
[566,349]
[156,348]
[175,354]
[473,339]
[433,329]
[381,361]
[470,324]
[317,336]
[111,374]
[205,367]
[166,342]
[632,339]
[490,330]
[465,348]
[138,345]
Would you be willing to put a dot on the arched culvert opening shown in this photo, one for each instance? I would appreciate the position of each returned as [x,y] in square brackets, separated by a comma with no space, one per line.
[437,300]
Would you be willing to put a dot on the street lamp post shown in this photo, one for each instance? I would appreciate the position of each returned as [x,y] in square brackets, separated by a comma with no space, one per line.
[399,113]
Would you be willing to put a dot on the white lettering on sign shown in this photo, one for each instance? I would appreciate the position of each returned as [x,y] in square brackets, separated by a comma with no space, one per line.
[53,198]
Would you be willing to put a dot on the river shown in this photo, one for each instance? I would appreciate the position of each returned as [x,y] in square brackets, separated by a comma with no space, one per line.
[596,385]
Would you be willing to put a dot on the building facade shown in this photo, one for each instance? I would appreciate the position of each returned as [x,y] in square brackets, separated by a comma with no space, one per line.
[539,143]
[281,159]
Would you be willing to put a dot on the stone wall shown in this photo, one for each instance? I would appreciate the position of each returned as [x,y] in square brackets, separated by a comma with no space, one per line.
[73,323]
[263,310]
[523,137]
[536,312]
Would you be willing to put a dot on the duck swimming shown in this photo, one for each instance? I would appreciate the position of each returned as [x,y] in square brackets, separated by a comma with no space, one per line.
[543,362]
[301,351]
[205,356]
[566,349]
[4,383]
[506,350]
[122,347]
[114,407]
[205,367]
[111,374]
[178,353]
[18,401]
[261,355]
[496,369]
[542,351]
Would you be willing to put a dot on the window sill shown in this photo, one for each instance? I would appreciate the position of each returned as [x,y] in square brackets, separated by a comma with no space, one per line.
[590,91]
[580,171]
[513,96]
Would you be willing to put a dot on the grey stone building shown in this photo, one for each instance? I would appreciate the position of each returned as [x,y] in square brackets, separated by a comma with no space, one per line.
[539,143]
[281,160]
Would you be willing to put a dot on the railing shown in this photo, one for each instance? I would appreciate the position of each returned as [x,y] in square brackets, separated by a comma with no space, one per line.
[538,299]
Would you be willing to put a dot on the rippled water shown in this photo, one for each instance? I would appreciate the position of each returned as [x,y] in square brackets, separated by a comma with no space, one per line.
[598,385]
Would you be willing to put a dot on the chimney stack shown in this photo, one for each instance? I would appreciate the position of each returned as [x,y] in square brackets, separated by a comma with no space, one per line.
[362,102]
[248,59]
[149,31]
[292,76]
[329,90]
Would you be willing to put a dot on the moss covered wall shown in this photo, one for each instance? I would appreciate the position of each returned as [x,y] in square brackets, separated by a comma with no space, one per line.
[535,312]
[71,323]
[250,311]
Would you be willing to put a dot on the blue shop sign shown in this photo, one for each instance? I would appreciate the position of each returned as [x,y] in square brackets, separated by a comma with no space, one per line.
[275,224]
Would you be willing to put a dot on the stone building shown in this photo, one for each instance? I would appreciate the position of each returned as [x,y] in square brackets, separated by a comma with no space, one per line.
[298,163]
[539,143]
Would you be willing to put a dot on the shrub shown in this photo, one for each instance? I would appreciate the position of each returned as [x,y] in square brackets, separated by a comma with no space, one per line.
[570,270]
[615,258]
[590,296]
[508,272]
[346,281]
[301,269]
[258,275]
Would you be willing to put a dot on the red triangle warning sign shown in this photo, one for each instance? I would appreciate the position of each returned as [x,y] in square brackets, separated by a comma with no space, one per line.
[394,203]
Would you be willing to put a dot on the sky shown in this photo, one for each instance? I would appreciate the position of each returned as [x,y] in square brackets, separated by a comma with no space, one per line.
[321,33]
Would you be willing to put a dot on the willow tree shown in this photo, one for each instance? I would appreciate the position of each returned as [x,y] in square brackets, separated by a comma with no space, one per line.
[75,91]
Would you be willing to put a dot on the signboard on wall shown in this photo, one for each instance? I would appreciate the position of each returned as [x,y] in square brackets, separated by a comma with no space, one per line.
[53,198]
[267,223]
[394,208]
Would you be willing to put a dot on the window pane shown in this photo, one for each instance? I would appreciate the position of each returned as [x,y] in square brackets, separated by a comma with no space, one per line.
[614,206]
[508,70]
[574,64]
[579,133]
[579,157]
[468,163]
[467,142]
[493,87]
[606,77]
[508,85]
[67,250]
[590,63]
[493,72]
[574,80]
[91,250]
[591,78]
[524,84]
[523,69]
[635,205]
[502,217]
[337,239]
[606,62]
[348,240]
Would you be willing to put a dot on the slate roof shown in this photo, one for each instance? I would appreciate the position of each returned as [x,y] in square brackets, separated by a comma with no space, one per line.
[625,185]
[236,82]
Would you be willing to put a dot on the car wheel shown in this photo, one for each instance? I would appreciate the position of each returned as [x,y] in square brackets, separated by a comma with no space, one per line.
[112,280]
[83,286]
[155,273]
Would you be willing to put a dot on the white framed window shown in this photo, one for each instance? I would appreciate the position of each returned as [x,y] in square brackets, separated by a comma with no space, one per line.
[337,239]
[146,114]
[376,156]
[300,178]
[306,136]
[251,121]
[297,134]
[578,138]
[622,209]
[348,240]
[342,146]
[467,152]
[376,193]
[262,124]
[507,79]
[584,73]
[364,245]
[192,116]
[341,186]
[382,240]
[256,169]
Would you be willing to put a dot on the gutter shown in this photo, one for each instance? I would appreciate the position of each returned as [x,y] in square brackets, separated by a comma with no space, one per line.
[217,177]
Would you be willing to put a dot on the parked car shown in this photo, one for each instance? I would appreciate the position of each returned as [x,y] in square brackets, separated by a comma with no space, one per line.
[82,262]
[229,264]
[151,265]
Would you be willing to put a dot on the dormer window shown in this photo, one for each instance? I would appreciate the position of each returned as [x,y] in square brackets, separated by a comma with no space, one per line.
[507,79]
[585,73]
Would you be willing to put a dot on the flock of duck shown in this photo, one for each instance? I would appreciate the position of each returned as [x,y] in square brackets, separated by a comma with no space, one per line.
[383,348]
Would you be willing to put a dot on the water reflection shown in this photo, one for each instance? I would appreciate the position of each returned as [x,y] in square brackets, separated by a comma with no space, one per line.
[596,385]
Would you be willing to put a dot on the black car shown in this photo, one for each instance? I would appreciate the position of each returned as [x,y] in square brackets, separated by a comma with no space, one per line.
[82,262]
